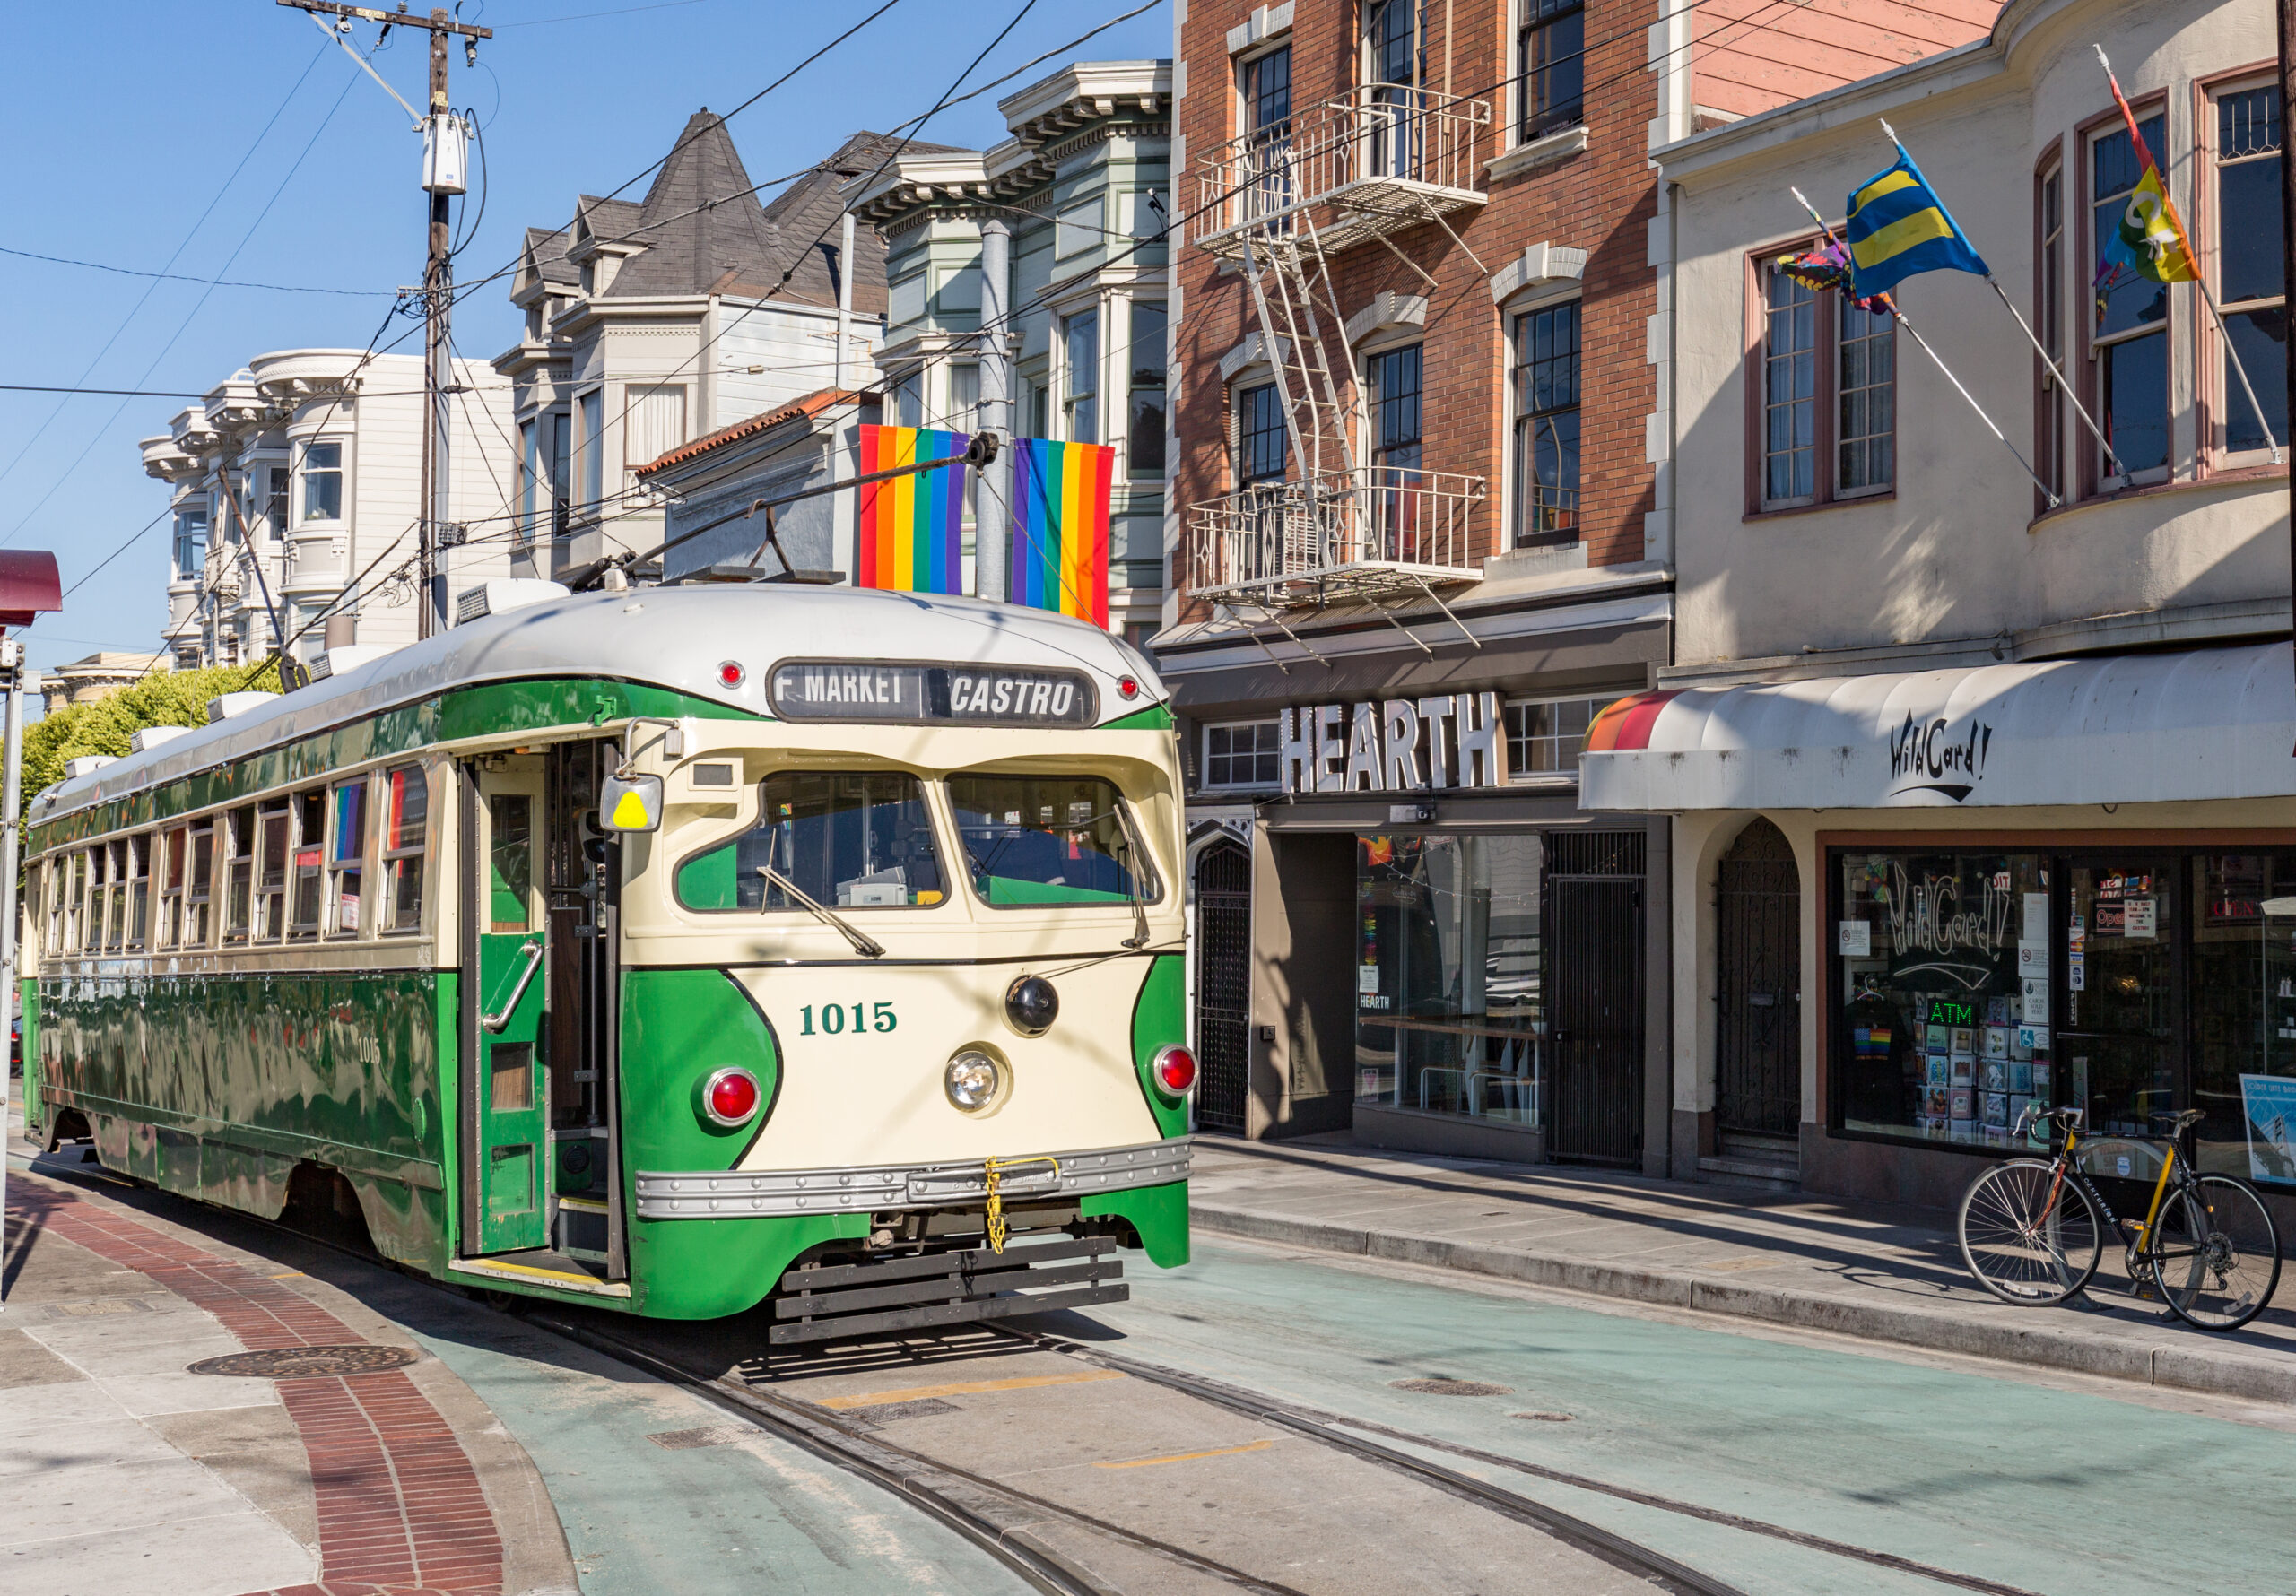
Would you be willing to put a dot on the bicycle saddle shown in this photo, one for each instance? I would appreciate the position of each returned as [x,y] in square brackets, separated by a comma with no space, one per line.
[2178,1123]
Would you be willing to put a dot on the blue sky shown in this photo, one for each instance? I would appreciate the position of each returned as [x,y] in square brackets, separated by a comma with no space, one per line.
[126,123]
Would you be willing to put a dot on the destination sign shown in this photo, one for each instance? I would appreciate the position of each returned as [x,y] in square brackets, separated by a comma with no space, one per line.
[930,695]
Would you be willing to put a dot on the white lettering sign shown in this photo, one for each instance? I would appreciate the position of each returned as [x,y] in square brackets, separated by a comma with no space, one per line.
[1397,745]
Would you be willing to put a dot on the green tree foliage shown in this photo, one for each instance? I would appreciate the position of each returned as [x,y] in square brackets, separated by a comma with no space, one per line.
[163,698]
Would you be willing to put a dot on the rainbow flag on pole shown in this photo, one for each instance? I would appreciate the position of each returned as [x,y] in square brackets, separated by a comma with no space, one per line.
[912,528]
[1060,526]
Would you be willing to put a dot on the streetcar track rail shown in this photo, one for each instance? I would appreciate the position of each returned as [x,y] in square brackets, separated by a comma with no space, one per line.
[1331,1430]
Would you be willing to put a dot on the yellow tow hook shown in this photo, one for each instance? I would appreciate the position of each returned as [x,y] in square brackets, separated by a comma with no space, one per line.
[994,1169]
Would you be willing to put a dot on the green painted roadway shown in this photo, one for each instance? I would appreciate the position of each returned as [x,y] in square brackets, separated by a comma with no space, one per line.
[2050,1490]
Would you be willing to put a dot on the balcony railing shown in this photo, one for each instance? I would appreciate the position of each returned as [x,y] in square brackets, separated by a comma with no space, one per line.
[1387,530]
[1384,158]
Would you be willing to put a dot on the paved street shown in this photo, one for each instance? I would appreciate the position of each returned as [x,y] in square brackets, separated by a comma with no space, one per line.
[1726,1445]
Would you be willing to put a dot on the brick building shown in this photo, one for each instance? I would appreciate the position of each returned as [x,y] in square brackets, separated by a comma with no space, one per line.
[1421,529]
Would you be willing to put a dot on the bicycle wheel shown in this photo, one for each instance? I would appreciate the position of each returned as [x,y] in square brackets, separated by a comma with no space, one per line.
[2030,1235]
[2215,1252]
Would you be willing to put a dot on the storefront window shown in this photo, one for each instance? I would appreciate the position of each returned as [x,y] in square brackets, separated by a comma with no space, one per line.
[1942,961]
[1448,1015]
[2132,984]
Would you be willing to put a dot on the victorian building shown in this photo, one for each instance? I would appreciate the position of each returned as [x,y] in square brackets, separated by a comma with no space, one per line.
[297,481]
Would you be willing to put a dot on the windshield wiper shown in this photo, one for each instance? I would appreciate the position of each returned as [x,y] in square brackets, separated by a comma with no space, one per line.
[867,946]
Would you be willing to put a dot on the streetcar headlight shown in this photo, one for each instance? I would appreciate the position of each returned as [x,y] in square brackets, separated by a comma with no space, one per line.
[730,1096]
[973,1080]
[1032,1005]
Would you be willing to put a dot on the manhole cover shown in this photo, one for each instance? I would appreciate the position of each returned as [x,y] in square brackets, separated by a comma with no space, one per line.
[288,1363]
[1442,1387]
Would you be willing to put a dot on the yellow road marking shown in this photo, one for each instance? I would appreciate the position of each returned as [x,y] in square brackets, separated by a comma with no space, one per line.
[870,1398]
[1182,1457]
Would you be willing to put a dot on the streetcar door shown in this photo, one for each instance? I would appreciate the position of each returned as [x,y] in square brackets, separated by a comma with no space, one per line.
[507,1185]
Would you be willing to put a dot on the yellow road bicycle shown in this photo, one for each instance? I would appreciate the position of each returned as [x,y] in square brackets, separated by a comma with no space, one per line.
[2032,1231]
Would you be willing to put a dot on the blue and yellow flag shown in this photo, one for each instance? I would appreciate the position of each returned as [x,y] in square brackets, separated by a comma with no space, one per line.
[1897,228]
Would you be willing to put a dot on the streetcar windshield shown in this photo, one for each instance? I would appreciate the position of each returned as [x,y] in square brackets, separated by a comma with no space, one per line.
[1047,839]
[849,839]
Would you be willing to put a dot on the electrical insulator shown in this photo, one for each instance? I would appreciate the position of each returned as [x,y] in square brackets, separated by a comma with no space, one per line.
[446,154]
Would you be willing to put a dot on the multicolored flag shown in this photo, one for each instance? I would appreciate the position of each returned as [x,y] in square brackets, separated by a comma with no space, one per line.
[1826,266]
[912,528]
[1898,227]
[2150,240]
[1060,526]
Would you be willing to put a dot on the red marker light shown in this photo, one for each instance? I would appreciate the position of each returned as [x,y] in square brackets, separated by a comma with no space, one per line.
[730,674]
[1175,1071]
[731,1097]
[1127,686]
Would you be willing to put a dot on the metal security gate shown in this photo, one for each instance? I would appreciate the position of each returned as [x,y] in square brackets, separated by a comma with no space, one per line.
[1594,988]
[1757,986]
[1223,940]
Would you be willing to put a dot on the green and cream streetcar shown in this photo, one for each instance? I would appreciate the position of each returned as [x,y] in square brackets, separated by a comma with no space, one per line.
[667,949]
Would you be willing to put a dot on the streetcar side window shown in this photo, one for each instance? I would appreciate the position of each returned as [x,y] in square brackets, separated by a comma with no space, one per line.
[1036,840]
[175,850]
[270,871]
[850,839]
[139,890]
[405,817]
[240,908]
[76,889]
[346,856]
[113,856]
[199,897]
[309,848]
[53,902]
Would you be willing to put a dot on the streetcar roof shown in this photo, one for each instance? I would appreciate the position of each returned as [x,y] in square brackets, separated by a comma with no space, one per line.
[674,637]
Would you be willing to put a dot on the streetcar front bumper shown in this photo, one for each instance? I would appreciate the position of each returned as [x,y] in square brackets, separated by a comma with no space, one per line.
[879,1188]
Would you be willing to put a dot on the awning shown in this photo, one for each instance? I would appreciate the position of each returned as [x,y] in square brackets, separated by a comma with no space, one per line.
[2150,728]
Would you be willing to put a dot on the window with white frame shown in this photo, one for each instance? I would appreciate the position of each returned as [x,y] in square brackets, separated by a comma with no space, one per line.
[653,422]
[276,487]
[1242,754]
[1264,84]
[963,412]
[1550,67]
[191,542]
[2249,284]
[530,469]
[2129,329]
[1263,445]
[1545,735]
[2048,401]
[322,482]
[1080,398]
[593,447]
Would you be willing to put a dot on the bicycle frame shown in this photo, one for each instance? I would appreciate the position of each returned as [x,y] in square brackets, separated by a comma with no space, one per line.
[2131,1231]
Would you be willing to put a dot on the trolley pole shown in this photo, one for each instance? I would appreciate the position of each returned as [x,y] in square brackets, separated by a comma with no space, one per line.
[445,173]
[12,771]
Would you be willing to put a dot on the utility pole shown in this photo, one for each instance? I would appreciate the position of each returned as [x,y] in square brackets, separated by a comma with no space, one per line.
[444,174]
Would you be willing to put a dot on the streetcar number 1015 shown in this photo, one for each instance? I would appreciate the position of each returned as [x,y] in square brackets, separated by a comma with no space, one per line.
[833,1022]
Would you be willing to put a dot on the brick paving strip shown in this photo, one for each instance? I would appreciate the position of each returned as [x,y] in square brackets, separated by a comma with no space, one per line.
[400,1511]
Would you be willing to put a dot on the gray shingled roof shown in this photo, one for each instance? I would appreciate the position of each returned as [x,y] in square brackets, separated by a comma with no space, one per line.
[703,231]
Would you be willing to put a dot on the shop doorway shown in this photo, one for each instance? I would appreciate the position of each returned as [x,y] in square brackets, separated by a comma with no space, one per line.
[1223,935]
[1758,996]
[1595,994]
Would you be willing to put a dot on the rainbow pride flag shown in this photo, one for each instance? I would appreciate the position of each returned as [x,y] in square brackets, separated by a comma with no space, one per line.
[912,528]
[1060,526]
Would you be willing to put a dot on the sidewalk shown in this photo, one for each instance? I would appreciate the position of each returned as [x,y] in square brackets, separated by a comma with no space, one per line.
[1884,1273]
[128,1473]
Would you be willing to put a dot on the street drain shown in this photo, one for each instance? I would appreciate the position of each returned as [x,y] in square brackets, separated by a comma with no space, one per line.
[1546,1418]
[1444,1387]
[294,1363]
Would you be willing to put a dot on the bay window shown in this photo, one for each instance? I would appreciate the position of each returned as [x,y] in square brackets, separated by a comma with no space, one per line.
[2129,322]
[2249,287]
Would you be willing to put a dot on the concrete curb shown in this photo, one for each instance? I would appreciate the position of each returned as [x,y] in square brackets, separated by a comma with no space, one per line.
[2026,1339]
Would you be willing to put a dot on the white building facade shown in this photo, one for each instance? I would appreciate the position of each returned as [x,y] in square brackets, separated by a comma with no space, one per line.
[1982,803]
[297,481]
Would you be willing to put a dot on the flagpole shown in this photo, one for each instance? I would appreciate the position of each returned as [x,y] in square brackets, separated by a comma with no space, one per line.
[1913,333]
[2080,410]
[2199,279]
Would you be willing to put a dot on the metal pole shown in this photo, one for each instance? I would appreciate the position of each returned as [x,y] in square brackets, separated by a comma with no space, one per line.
[12,771]
[438,283]
[992,501]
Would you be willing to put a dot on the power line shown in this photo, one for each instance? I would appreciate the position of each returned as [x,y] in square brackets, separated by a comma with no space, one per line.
[137,308]
[277,288]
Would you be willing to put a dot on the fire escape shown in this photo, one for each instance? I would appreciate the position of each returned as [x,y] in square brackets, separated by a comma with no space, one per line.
[1279,203]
